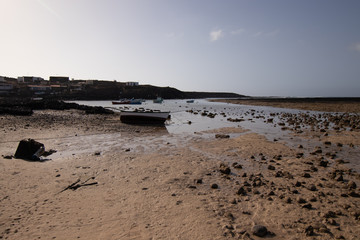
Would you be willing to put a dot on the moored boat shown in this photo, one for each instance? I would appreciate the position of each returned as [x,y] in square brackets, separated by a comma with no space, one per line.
[146,117]
[158,100]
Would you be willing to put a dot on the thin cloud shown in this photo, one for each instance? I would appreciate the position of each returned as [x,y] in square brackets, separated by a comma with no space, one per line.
[237,31]
[216,35]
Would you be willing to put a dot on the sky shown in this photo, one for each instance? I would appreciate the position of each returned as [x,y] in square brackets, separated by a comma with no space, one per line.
[303,48]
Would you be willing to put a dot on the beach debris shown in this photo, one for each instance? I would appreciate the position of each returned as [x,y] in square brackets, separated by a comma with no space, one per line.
[77,184]
[29,149]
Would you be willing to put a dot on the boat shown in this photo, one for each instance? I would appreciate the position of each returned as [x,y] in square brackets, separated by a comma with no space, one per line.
[158,100]
[190,101]
[146,117]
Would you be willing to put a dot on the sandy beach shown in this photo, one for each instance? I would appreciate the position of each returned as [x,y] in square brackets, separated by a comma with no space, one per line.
[141,182]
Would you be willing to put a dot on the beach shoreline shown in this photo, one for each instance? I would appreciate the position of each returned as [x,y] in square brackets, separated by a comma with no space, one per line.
[141,182]
[349,105]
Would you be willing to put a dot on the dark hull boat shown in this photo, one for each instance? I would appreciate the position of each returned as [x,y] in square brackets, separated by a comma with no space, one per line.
[144,117]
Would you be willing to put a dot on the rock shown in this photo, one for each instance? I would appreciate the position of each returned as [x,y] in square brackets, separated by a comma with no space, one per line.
[351,185]
[224,168]
[259,230]
[222,135]
[298,184]
[307,206]
[237,165]
[354,194]
[199,181]
[301,200]
[329,214]
[323,163]
[214,186]
[309,231]
[271,167]
[306,175]
[312,188]
[241,191]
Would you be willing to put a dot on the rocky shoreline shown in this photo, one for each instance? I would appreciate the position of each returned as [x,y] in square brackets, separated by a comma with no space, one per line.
[26,107]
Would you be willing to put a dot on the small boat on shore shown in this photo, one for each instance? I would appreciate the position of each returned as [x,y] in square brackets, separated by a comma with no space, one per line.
[144,117]
[158,100]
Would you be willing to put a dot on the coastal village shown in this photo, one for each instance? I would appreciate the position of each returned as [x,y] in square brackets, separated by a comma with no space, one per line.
[30,86]
[64,88]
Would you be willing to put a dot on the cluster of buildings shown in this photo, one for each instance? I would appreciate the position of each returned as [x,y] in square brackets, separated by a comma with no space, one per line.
[30,85]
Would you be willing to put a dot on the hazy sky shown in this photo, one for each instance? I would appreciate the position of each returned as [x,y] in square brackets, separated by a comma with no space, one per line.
[251,47]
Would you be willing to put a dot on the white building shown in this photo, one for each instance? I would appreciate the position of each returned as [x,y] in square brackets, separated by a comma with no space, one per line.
[132,84]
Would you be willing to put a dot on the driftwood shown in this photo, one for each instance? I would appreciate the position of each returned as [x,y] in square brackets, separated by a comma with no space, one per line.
[77,184]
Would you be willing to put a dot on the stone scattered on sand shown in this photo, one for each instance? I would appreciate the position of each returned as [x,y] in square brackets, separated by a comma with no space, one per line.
[259,230]
[224,168]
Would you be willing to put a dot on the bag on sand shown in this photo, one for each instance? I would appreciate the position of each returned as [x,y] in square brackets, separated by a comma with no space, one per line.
[29,149]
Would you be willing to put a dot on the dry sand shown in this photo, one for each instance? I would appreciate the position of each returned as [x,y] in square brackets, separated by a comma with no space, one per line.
[144,183]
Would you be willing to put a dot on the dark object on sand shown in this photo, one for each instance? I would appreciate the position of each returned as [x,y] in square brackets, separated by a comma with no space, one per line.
[259,230]
[29,149]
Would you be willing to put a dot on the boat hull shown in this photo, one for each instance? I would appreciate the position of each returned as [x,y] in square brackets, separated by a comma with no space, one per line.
[144,117]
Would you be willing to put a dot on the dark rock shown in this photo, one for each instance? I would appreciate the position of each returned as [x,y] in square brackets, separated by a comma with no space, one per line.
[199,181]
[301,200]
[306,175]
[29,149]
[241,191]
[222,136]
[351,185]
[237,165]
[354,194]
[259,230]
[323,163]
[307,206]
[214,186]
[271,167]
[309,231]
[224,168]
[329,214]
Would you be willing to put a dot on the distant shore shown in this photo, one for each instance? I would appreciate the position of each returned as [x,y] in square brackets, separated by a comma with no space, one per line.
[351,105]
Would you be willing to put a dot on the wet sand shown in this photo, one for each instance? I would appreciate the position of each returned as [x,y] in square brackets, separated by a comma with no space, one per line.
[136,182]
[351,105]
